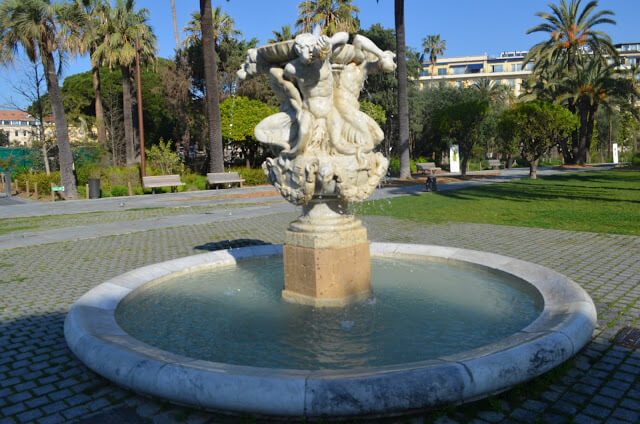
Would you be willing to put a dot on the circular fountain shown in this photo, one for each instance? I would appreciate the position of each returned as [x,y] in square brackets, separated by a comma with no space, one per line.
[328,325]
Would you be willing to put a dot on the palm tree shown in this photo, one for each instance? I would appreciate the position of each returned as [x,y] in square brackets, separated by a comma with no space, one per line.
[332,16]
[175,25]
[223,27]
[403,102]
[89,37]
[570,32]
[31,25]
[283,35]
[493,92]
[595,84]
[123,26]
[433,46]
[216,159]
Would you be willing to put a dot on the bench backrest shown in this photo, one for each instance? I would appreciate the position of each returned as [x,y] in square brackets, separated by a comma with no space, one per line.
[494,162]
[161,180]
[426,165]
[222,177]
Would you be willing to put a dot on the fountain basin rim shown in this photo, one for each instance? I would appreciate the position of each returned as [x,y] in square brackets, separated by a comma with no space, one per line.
[561,330]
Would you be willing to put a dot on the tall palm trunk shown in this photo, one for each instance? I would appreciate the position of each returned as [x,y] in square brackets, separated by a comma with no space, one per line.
[403,104]
[127,108]
[175,25]
[67,177]
[216,160]
[97,89]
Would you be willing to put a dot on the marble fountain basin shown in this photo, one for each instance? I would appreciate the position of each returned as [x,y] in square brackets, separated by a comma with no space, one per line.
[564,325]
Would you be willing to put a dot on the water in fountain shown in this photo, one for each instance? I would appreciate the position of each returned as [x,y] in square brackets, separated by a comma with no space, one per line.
[236,315]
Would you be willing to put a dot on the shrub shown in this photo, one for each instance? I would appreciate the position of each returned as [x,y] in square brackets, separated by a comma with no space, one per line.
[119,190]
[163,159]
[253,176]
[44,181]
[635,160]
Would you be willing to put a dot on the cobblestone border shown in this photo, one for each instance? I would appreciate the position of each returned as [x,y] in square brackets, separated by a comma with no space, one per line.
[563,328]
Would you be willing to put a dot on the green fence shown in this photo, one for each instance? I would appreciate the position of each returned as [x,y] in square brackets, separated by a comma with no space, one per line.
[12,158]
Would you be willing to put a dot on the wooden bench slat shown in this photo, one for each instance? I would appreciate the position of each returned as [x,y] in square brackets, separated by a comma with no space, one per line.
[224,178]
[154,181]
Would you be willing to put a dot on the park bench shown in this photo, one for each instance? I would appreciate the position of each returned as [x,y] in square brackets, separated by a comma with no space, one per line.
[429,167]
[218,178]
[152,182]
[494,163]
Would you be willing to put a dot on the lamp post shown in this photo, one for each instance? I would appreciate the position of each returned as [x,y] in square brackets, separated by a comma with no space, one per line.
[140,122]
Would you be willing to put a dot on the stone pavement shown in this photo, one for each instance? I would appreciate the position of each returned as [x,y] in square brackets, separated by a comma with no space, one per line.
[41,381]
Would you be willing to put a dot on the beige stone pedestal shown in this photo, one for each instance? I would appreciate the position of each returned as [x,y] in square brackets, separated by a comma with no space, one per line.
[326,258]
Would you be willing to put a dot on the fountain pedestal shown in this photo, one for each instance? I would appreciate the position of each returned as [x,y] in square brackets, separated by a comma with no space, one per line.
[326,257]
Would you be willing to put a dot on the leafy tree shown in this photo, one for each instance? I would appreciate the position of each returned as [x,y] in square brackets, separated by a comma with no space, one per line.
[332,16]
[461,123]
[239,117]
[32,25]
[433,46]
[373,110]
[536,126]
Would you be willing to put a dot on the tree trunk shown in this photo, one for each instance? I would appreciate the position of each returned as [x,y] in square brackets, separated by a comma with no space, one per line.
[587,121]
[463,164]
[216,160]
[45,158]
[403,104]
[533,168]
[67,177]
[175,25]
[127,112]
[102,131]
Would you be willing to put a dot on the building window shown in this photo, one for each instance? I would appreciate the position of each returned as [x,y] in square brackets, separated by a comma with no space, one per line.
[516,67]
[442,71]
[529,67]
[458,71]
[512,83]
[25,133]
[16,133]
[458,84]
[496,68]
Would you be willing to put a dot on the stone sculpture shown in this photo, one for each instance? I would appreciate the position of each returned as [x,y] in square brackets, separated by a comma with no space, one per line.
[324,159]
[324,143]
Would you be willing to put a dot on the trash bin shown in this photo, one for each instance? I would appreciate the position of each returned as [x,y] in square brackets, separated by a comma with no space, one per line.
[94,188]
[432,184]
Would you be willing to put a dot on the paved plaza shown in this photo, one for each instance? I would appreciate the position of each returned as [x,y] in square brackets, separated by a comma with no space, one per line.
[41,381]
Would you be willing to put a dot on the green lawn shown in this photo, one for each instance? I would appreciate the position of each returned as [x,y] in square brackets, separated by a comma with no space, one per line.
[598,201]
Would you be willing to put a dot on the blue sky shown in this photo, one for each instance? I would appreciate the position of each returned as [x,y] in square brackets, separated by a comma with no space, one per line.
[469,26]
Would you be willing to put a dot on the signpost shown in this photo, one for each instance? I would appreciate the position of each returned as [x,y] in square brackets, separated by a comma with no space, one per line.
[54,189]
[615,153]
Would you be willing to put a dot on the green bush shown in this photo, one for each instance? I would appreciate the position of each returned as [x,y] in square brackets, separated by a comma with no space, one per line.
[194,181]
[44,181]
[635,159]
[253,176]
[119,190]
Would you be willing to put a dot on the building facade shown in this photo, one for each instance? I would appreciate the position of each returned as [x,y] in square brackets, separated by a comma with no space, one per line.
[19,126]
[507,68]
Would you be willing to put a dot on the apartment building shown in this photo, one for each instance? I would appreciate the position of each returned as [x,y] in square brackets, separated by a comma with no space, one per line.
[506,69]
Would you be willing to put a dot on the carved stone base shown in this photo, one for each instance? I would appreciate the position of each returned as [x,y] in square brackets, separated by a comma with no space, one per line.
[326,259]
